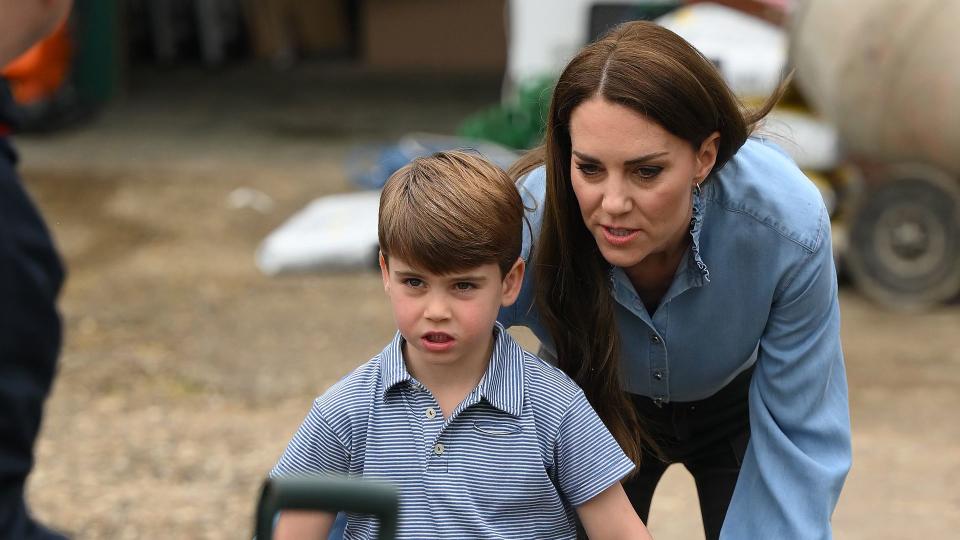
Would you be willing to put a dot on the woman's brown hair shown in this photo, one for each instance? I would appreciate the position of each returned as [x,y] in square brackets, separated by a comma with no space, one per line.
[655,72]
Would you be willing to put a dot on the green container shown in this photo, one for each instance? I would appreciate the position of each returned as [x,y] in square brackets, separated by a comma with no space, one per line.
[330,494]
[97,63]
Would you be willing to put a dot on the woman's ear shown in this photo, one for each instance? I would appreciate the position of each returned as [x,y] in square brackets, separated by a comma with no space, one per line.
[707,156]
[384,272]
[512,282]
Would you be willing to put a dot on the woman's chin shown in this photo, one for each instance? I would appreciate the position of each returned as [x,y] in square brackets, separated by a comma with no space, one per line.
[624,258]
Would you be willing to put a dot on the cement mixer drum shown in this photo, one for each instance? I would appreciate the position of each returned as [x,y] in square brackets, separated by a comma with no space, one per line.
[886,72]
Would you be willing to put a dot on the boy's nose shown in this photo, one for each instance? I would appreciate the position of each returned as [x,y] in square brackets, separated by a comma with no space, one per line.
[437,309]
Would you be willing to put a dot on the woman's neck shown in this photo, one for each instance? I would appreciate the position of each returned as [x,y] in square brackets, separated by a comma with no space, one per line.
[652,276]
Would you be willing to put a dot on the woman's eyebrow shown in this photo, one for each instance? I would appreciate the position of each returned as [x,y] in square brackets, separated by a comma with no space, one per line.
[585,157]
[634,161]
[643,159]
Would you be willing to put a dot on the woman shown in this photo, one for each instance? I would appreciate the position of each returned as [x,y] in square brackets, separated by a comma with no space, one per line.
[682,274]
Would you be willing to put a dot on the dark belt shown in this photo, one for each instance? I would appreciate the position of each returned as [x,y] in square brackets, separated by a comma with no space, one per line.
[732,392]
[682,428]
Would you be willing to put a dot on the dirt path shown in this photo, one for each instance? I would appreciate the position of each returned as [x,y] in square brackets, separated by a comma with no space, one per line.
[185,370]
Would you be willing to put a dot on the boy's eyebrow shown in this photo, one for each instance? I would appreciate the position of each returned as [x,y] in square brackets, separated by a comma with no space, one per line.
[467,277]
[451,277]
[634,161]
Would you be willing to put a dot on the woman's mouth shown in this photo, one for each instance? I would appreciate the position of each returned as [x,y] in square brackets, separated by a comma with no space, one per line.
[437,341]
[619,236]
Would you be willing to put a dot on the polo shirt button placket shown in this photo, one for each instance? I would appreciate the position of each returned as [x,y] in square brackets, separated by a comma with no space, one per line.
[431,413]
[438,449]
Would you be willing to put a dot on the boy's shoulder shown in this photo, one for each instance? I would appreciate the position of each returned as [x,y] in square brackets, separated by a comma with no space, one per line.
[544,378]
[352,395]
[546,387]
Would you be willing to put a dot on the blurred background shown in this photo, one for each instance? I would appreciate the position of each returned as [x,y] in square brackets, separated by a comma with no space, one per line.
[209,169]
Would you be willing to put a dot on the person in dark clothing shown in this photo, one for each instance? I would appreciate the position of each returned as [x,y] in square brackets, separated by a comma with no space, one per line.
[31,275]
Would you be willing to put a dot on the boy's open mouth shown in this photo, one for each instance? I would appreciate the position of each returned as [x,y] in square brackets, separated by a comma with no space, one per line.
[437,341]
[437,337]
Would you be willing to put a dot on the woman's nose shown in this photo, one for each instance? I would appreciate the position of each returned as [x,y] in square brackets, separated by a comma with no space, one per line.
[616,200]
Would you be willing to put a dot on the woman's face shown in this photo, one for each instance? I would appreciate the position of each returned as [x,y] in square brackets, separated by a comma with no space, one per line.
[633,181]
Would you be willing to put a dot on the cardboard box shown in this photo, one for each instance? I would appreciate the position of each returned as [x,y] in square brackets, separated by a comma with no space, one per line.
[451,36]
[288,27]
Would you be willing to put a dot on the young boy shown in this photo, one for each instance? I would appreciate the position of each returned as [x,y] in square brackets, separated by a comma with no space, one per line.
[482,439]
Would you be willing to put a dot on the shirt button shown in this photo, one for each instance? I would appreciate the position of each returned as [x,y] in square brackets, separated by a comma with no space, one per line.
[658,374]
[431,413]
[438,449]
[655,338]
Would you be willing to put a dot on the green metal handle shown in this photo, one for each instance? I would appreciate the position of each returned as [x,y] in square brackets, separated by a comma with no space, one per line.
[327,493]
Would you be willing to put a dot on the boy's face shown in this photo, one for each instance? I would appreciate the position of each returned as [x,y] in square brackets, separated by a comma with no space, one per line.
[448,318]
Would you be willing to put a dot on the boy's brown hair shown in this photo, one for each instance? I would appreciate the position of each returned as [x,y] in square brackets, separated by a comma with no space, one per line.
[450,212]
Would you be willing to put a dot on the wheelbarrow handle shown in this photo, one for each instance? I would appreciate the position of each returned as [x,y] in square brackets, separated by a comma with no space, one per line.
[330,494]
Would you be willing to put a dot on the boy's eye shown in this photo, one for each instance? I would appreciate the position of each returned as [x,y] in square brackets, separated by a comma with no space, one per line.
[413,282]
[647,172]
[464,286]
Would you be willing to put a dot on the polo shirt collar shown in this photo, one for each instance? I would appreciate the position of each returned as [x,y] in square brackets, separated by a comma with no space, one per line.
[501,385]
[392,369]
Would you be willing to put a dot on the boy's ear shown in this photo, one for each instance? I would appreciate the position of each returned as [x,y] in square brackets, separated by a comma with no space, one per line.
[512,282]
[384,272]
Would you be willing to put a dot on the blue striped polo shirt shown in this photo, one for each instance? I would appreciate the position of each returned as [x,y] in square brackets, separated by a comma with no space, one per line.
[512,461]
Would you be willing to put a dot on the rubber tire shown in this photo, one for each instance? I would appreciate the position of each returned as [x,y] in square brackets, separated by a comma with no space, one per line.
[904,243]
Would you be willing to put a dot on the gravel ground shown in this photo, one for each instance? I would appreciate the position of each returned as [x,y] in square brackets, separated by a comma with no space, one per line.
[185,370]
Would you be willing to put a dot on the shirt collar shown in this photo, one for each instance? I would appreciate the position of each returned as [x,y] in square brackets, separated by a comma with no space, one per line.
[501,385]
[392,369]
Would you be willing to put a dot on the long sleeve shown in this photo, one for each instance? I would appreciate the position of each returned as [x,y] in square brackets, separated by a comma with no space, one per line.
[799,451]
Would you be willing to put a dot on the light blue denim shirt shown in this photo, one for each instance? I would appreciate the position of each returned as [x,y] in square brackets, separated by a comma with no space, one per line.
[756,287]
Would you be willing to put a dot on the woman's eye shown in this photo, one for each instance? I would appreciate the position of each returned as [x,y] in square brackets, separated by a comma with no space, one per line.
[588,169]
[648,172]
